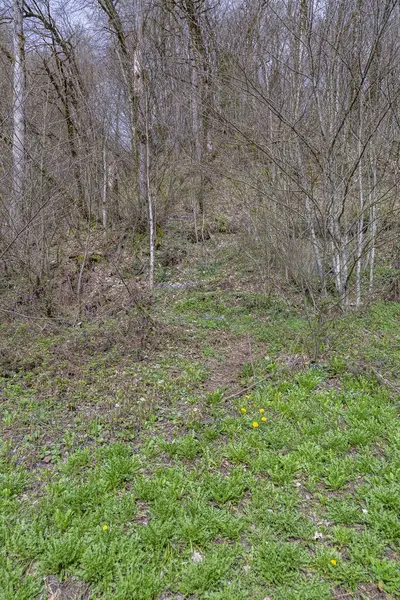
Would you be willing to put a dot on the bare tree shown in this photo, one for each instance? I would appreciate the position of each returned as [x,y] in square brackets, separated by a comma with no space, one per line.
[19,99]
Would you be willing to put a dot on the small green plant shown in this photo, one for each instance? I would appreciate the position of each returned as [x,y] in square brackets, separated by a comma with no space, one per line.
[280,562]
[215,398]
[8,417]
[186,447]
[61,553]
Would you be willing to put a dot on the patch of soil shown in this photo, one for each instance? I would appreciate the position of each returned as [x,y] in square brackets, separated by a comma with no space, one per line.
[225,374]
[369,590]
[71,589]
[333,384]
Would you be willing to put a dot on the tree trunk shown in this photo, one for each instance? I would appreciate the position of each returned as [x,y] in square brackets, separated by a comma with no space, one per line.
[142,137]
[19,92]
[360,230]
[150,205]
[105,186]
[373,222]
[201,96]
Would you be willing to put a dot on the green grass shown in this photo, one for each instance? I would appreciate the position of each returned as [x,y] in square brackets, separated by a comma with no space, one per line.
[133,479]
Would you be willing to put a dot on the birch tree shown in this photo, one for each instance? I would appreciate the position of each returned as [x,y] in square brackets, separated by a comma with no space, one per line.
[19,99]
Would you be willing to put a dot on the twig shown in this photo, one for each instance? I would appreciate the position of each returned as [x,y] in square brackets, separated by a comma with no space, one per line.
[18,314]
[385,381]
[250,387]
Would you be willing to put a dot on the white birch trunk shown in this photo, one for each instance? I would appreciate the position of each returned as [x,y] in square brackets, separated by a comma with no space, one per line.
[18,143]
[150,206]
[360,235]
[141,136]
[373,216]
[360,226]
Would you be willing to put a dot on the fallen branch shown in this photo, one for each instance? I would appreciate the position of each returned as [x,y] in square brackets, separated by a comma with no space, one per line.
[250,387]
[385,381]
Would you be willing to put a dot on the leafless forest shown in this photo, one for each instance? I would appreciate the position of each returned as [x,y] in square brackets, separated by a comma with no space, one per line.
[275,120]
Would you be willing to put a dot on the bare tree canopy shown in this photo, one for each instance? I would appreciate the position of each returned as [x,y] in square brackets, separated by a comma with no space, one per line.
[120,114]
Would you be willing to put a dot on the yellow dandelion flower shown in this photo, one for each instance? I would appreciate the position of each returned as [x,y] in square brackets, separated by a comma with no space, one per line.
[262,410]
[248,396]
[105,527]
[263,418]
[333,562]
[243,409]
[307,362]
[255,424]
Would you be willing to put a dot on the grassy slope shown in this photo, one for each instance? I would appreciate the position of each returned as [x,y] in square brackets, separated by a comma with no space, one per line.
[124,479]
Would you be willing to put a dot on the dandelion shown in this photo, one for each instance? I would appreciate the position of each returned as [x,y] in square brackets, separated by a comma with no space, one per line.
[248,396]
[307,362]
[105,527]
[333,562]
[243,409]
[255,424]
[262,410]
[263,418]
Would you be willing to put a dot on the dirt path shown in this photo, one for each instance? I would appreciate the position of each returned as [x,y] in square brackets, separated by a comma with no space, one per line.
[225,373]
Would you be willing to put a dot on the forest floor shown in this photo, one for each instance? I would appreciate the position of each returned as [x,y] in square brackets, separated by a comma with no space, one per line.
[219,461]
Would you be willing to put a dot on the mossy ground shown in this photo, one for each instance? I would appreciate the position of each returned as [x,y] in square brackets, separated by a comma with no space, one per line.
[126,476]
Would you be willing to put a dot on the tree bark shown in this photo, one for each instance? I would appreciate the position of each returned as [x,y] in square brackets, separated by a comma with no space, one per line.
[19,93]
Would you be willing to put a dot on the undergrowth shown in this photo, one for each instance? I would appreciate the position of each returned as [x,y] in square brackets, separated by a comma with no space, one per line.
[125,478]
